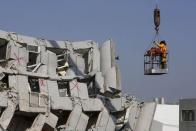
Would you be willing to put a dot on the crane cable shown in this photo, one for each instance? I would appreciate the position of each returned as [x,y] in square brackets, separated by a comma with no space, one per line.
[157,19]
[155,38]
[156,16]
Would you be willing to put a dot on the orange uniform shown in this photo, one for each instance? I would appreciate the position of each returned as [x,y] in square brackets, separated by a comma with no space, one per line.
[163,48]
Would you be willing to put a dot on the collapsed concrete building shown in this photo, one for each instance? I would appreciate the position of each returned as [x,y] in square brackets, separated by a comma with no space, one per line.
[48,85]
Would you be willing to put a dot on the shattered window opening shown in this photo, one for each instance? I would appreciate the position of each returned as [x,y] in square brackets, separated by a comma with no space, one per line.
[4,84]
[34,49]
[3,49]
[62,60]
[32,61]
[34,84]
[34,52]
[63,88]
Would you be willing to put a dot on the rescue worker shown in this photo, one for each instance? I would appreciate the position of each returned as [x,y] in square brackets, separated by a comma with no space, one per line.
[163,50]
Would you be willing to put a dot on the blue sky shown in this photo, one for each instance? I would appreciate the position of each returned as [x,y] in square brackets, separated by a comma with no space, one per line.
[130,24]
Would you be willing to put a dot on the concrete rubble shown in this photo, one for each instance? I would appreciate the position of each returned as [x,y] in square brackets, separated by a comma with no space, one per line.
[48,85]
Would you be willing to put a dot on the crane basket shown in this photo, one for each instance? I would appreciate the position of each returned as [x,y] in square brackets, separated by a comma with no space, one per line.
[155,62]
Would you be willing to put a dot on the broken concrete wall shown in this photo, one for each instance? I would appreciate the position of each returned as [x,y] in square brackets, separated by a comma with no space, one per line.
[108,68]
